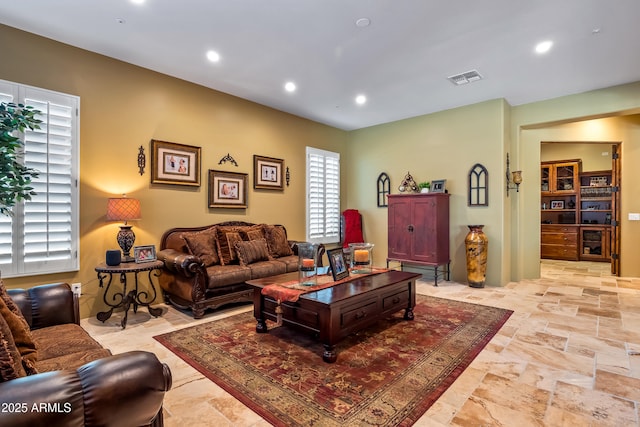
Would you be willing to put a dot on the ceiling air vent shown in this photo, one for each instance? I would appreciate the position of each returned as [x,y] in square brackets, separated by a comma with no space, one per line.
[466,77]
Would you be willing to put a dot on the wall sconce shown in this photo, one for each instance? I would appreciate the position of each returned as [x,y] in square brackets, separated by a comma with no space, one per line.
[514,177]
[124,209]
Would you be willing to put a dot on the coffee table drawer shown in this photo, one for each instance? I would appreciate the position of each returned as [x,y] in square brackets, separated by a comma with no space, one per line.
[351,316]
[396,301]
[291,312]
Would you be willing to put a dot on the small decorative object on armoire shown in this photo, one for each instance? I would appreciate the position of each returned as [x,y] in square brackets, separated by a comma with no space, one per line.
[476,244]
[307,263]
[124,209]
[408,185]
[360,257]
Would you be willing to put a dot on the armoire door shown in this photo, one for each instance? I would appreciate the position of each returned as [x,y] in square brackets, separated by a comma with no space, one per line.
[399,228]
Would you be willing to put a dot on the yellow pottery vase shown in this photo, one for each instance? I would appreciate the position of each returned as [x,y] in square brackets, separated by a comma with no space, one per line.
[476,244]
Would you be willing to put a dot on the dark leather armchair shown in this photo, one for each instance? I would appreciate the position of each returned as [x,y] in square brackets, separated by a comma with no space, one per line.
[119,390]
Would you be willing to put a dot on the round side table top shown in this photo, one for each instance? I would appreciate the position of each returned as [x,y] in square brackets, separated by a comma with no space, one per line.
[129,267]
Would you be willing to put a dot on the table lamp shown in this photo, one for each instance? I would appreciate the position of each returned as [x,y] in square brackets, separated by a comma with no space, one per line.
[124,209]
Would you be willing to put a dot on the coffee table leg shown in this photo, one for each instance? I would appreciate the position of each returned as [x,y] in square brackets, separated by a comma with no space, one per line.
[329,355]
[261,326]
[408,313]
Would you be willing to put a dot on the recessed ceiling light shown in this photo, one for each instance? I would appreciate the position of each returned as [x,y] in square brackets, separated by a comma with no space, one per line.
[363,22]
[543,47]
[213,56]
[290,87]
[361,99]
[120,20]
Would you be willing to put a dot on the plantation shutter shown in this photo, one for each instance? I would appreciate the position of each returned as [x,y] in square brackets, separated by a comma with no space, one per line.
[323,196]
[45,228]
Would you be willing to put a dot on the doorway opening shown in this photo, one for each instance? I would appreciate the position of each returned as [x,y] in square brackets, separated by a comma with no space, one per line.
[579,202]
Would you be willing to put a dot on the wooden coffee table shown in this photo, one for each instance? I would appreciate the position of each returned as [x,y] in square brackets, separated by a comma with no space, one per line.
[335,312]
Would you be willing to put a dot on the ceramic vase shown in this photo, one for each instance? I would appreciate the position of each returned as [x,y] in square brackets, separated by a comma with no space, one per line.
[476,243]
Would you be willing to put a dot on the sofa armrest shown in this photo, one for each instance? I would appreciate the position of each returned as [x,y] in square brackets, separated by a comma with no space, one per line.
[47,305]
[180,263]
[121,390]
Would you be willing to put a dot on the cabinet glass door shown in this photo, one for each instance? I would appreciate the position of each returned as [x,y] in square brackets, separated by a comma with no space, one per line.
[565,178]
[545,178]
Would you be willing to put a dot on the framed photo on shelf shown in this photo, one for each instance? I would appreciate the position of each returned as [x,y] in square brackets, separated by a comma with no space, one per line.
[173,163]
[438,186]
[338,265]
[227,189]
[144,253]
[557,204]
[267,173]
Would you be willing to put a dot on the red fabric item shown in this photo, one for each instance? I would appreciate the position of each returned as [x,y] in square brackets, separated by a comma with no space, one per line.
[352,227]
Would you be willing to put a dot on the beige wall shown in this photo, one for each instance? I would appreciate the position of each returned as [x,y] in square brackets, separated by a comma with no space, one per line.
[444,145]
[550,121]
[595,156]
[124,107]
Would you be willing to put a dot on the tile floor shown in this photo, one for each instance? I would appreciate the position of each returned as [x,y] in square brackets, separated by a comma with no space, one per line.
[568,356]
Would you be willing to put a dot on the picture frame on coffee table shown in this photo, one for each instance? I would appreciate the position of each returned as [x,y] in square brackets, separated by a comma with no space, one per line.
[339,268]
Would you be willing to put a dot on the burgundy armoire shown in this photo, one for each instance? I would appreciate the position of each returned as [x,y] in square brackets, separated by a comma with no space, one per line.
[418,231]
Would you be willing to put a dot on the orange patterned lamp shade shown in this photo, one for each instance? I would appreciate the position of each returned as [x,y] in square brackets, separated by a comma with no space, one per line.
[123,209]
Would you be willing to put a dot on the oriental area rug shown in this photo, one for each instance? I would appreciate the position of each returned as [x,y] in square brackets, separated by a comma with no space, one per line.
[386,375]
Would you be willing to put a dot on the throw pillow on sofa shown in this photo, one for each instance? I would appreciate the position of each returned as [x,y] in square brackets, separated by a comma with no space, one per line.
[10,359]
[204,245]
[227,238]
[19,330]
[252,251]
[277,241]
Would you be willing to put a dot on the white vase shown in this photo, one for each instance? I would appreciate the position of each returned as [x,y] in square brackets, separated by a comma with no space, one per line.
[424,190]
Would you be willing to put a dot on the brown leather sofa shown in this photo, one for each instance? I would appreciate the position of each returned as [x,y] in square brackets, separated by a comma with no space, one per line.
[78,382]
[207,267]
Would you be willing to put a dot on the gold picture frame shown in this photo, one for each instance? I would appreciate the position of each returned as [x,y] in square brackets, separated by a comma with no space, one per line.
[175,164]
[227,189]
[267,173]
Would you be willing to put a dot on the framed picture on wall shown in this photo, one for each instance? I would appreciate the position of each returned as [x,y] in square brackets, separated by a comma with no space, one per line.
[267,173]
[173,163]
[227,189]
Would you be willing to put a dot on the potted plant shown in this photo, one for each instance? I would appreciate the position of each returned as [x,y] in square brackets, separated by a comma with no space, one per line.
[424,187]
[15,177]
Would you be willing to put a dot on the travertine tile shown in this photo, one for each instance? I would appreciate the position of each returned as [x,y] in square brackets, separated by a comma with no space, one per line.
[564,358]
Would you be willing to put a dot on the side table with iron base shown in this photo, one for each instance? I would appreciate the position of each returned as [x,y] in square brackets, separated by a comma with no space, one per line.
[135,296]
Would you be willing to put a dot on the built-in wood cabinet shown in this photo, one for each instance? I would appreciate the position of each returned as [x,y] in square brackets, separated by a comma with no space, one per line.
[559,241]
[576,212]
[595,243]
[418,230]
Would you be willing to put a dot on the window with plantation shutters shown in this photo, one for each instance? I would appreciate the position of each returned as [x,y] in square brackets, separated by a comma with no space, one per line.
[41,237]
[323,196]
